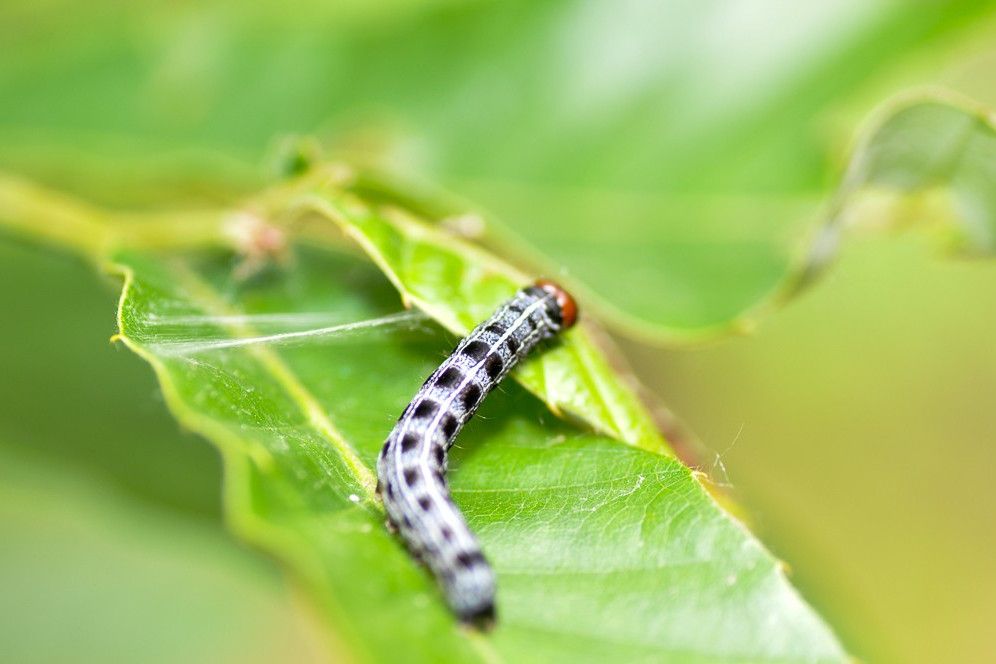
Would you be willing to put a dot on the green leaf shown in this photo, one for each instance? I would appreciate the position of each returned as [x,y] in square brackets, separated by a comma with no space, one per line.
[604,552]
[604,524]
[299,429]
[453,281]
[712,140]
[721,263]
[700,142]
[715,264]
[932,144]
[459,285]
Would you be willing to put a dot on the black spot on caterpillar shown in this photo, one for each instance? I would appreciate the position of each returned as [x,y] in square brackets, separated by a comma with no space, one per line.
[412,463]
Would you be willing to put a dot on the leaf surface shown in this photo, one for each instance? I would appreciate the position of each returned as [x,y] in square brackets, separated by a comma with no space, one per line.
[460,285]
[667,144]
[932,144]
[604,552]
[600,549]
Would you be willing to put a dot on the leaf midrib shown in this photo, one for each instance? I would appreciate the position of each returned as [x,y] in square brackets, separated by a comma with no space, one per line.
[273,364]
[317,416]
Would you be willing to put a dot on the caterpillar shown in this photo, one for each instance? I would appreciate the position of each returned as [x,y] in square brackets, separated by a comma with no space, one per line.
[411,468]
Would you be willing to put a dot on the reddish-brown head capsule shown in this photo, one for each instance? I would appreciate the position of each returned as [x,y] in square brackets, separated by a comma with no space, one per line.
[568,308]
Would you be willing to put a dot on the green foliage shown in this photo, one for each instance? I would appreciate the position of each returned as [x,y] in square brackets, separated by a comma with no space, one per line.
[678,122]
[460,285]
[589,536]
[660,158]
[935,145]
[603,552]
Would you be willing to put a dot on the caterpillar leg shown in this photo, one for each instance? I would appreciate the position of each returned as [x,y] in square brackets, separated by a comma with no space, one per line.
[483,619]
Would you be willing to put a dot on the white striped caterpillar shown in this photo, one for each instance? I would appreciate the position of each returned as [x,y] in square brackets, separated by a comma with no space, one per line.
[412,464]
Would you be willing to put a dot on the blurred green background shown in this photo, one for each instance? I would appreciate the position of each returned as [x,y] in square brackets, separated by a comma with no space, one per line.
[855,424]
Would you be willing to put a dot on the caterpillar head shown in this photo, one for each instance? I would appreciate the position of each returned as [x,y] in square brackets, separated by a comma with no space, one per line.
[567,308]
